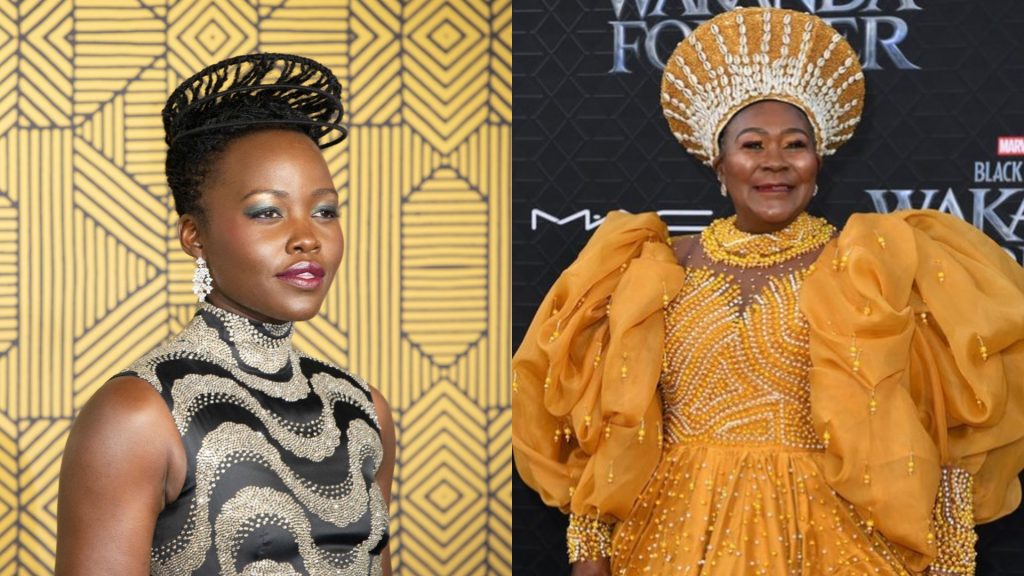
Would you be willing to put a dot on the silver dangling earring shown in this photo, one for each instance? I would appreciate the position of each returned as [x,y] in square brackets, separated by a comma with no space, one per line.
[202,282]
[815,193]
[724,191]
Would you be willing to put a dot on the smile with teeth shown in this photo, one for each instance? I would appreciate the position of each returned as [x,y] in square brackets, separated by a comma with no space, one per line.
[773,188]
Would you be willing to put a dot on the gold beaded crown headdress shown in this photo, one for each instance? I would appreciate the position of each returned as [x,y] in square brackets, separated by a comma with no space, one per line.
[753,54]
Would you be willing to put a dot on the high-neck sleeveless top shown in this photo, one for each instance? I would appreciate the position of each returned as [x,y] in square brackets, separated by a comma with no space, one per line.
[282,453]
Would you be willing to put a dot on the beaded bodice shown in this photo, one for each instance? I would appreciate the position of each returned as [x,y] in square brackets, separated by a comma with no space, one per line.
[282,452]
[737,361]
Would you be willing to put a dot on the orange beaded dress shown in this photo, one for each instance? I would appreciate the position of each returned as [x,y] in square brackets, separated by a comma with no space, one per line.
[738,489]
[819,413]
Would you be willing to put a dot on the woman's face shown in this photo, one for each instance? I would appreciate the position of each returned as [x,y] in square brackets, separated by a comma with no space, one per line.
[270,231]
[768,164]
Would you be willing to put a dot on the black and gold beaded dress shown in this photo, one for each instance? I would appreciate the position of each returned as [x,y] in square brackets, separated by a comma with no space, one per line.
[282,453]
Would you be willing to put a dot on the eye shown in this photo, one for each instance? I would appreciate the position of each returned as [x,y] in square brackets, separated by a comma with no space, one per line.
[797,144]
[752,145]
[330,212]
[263,213]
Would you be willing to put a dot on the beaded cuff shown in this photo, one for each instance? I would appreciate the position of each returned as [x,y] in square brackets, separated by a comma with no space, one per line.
[953,519]
[588,538]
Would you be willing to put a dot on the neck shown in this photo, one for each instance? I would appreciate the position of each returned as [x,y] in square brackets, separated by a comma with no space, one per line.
[259,346]
[751,226]
[220,301]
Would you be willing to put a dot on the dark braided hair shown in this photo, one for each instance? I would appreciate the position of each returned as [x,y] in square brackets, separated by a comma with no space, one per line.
[239,96]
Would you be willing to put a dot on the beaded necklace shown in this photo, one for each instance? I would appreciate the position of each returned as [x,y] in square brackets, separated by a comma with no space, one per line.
[723,242]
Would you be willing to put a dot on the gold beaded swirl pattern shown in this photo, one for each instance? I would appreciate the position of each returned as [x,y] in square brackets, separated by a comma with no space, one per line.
[737,376]
[753,54]
[723,242]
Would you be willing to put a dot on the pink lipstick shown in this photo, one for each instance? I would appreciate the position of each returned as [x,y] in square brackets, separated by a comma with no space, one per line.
[303,275]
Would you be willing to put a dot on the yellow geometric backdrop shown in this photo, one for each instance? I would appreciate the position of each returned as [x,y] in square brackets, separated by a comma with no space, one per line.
[91,275]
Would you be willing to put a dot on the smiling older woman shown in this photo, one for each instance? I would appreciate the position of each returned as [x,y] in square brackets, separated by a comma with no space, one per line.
[226,451]
[773,396]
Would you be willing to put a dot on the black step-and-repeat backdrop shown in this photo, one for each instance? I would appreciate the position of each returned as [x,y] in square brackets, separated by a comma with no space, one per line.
[943,128]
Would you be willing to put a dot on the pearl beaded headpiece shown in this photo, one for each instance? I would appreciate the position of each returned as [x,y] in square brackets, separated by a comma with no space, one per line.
[753,54]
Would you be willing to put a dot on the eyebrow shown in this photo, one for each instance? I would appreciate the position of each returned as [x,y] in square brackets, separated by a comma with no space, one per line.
[282,194]
[765,132]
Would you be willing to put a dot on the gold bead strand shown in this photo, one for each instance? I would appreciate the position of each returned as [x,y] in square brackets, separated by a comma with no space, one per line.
[880,239]
[854,354]
[723,242]
[557,332]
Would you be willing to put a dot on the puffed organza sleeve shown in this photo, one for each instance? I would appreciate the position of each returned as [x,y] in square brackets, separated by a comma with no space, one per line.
[586,419]
[917,350]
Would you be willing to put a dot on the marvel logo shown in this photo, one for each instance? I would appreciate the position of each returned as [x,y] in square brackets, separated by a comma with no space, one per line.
[1010,146]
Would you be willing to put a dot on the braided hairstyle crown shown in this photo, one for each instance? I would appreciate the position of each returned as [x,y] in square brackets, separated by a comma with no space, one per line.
[238,96]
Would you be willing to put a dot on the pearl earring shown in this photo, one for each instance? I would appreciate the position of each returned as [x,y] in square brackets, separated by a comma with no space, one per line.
[202,282]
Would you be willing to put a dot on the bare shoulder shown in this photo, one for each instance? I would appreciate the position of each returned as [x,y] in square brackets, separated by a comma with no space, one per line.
[386,472]
[125,395]
[126,420]
[124,460]
[383,409]
[124,405]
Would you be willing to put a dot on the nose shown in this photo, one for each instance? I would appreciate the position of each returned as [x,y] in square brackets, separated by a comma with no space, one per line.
[303,237]
[774,159]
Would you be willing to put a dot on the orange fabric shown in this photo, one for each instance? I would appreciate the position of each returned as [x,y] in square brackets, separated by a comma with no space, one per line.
[937,401]
[743,510]
[631,335]
[936,396]
[739,488]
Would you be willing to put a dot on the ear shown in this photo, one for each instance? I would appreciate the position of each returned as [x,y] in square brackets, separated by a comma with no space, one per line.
[716,165]
[190,236]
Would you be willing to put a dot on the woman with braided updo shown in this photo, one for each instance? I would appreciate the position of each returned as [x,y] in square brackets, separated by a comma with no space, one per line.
[774,396]
[226,450]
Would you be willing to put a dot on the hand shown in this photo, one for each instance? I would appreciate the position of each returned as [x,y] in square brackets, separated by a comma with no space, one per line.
[600,567]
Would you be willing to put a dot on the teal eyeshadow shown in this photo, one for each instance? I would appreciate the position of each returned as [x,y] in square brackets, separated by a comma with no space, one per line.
[258,209]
